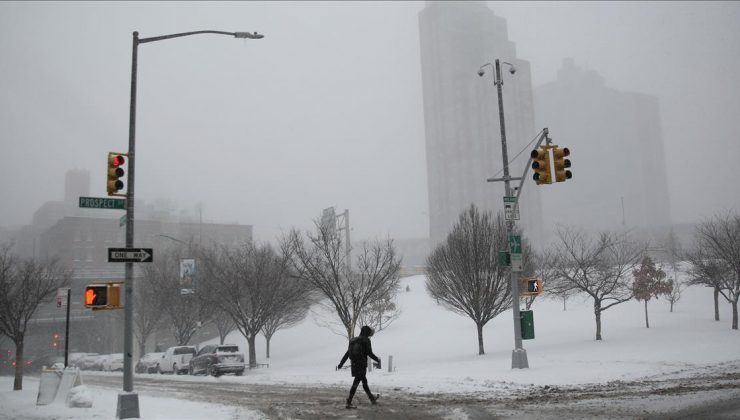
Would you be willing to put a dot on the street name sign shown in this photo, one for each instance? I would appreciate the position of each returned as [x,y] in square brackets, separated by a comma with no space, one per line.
[515,244]
[511,208]
[103,203]
[130,255]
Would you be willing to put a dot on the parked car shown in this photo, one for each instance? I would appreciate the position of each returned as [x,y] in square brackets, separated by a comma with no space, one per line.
[216,360]
[113,362]
[176,359]
[149,363]
[90,362]
[74,358]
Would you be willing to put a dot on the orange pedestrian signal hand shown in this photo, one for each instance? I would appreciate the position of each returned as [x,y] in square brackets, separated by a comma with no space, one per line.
[89,296]
[96,296]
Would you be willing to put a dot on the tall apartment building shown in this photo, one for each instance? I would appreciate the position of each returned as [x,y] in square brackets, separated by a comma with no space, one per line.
[461,114]
[619,172]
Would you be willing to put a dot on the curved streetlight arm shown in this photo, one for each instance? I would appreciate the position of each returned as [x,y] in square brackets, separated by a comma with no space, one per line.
[250,35]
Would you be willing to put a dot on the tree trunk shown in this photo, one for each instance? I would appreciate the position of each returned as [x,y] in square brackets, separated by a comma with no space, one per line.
[597,314]
[564,299]
[18,382]
[267,340]
[716,303]
[647,323]
[671,306]
[734,314]
[252,351]
[480,339]
[142,347]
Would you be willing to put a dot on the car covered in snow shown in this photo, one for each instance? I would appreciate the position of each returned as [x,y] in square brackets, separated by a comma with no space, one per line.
[113,362]
[176,359]
[215,360]
[149,363]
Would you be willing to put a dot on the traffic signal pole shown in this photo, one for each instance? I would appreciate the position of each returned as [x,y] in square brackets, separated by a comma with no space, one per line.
[519,354]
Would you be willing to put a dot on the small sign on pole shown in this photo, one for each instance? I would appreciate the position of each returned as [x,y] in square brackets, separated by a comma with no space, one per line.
[515,244]
[62,297]
[511,208]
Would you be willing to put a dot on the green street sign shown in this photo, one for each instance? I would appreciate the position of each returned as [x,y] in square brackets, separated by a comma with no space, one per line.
[515,243]
[102,203]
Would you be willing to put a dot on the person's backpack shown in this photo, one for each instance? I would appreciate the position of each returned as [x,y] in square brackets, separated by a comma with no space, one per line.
[356,350]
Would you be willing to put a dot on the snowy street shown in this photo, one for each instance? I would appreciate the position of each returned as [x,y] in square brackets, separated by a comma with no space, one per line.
[707,392]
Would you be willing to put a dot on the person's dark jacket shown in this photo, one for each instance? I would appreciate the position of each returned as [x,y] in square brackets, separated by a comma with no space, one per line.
[359,367]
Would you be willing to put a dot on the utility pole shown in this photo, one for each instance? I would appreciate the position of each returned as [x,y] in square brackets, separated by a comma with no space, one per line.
[519,354]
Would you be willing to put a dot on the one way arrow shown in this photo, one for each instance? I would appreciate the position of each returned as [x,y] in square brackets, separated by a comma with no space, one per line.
[130,254]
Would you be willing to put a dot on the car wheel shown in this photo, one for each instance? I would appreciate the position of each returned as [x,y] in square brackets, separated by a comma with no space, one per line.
[159,369]
[240,373]
[174,369]
[212,371]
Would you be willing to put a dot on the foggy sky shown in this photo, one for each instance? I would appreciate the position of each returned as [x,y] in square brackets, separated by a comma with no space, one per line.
[326,110]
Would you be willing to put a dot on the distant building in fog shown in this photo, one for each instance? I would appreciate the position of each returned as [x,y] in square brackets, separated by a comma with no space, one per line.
[619,174]
[461,114]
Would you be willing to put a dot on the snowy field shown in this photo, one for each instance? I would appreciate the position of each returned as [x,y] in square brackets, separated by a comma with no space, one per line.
[435,351]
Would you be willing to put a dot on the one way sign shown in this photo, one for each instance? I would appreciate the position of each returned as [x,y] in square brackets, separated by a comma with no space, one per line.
[130,254]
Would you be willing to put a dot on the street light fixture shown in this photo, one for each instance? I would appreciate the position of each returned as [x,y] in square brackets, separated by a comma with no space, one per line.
[519,354]
[128,403]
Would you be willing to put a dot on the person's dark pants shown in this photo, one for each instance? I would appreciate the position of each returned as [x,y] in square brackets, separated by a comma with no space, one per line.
[358,379]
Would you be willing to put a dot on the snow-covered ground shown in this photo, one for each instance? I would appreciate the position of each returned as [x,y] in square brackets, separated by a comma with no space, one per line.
[436,351]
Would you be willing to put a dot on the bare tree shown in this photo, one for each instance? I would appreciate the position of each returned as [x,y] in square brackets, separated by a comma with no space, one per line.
[252,284]
[463,273]
[706,271]
[321,261]
[381,313]
[287,319]
[148,314]
[719,239]
[649,282]
[185,313]
[676,289]
[599,267]
[224,324]
[24,284]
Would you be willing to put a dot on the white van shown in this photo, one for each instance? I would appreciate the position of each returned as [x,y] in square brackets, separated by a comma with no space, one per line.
[176,359]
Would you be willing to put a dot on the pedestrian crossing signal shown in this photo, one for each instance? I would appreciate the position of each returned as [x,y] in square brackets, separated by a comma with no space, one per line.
[103,296]
[530,286]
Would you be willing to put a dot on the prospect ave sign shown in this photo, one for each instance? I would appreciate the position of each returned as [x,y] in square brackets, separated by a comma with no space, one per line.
[102,203]
[130,255]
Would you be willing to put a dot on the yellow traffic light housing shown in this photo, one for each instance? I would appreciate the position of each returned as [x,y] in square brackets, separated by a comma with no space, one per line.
[530,286]
[115,173]
[541,165]
[103,296]
[561,164]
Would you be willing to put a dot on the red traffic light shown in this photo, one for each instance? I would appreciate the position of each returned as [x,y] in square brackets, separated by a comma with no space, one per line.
[117,160]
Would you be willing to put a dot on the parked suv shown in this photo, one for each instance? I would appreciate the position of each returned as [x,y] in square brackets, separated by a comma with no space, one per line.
[176,359]
[216,360]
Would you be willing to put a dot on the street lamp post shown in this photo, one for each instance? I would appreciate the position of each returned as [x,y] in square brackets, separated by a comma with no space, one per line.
[519,354]
[128,402]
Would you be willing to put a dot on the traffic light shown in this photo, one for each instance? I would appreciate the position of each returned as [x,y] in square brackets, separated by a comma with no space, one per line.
[561,164]
[115,173]
[55,340]
[103,296]
[541,165]
[530,286]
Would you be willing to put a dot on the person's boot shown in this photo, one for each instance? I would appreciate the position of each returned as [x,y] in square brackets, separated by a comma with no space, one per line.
[374,398]
[349,404]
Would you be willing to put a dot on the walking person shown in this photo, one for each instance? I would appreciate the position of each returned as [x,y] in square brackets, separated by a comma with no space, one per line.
[358,351]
